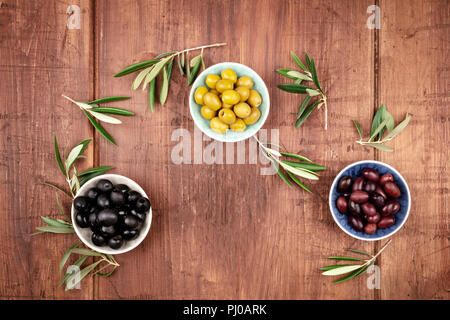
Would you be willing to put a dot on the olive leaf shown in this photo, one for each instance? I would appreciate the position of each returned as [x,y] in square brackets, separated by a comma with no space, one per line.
[135,67]
[151,94]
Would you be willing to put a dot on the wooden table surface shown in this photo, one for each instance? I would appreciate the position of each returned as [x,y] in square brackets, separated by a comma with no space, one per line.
[224,231]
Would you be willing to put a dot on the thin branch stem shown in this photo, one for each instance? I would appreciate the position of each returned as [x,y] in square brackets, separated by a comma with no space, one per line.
[202,47]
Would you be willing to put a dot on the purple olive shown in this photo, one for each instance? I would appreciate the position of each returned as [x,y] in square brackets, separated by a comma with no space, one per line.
[371,174]
[368,209]
[370,186]
[356,223]
[358,184]
[386,222]
[370,228]
[385,178]
[391,207]
[373,219]
[354,208]
[359,196]
[377,200]
[342,205]
[392,190]
[344,184]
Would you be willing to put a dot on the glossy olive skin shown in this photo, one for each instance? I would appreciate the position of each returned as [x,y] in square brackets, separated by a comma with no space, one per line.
[253,117]
[356,223]
[386,222]
[93,193]
[370,186]
[142,204]
[115,242]
[108,231]
[254,99]
[212,101]
[344,184]
[211,80]
[207,113]
[245,81]
[199,93]
[218,125]
[107,217]
[370,174]
[370,228]
[130,234]
[244,93]
[122,188]
[385,178]
[391,207]
[81,204]
[368,209]
[227,116]
[98,239]
[81,220]
[359,196]
[117,197]
[138,214]
[358,184]
[230,97]
[238,126]
[380,191]
[378,200]
[223,85]
[131,222]
[132,197]
[354,208]
[392,190]
[242,110]
[104,185]
[92,220]
[229,74]
[342,205]
[373,219]
[103,201]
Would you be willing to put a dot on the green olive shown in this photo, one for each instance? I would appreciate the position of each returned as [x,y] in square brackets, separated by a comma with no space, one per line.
[218,125]
[228,106]
[229,74]
[245,81]
[238,125]
[253,117]
[215,92]
[207,113]
[211,80]
[212,101]
[254,99]
[223,85]
[244,92]
[199,93]
[227,116]
[242,110]
[230,97]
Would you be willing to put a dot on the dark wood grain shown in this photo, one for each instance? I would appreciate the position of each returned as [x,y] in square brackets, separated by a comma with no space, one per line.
[40,60]
[224,231]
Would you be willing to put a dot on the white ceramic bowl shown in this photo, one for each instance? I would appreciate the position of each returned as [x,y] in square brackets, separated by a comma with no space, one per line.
[230,135]
[85,233]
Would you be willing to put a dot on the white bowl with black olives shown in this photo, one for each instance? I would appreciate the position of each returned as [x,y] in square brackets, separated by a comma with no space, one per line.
[111,214]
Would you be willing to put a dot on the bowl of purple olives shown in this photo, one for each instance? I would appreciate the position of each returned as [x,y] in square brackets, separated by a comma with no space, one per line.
[111,214]
[369,200]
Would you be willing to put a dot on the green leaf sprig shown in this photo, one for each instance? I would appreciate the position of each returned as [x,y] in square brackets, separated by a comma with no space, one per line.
[353,269]
[381,122]
[306,73]
[95,113]
[303,167]
[74,179]
[163,65]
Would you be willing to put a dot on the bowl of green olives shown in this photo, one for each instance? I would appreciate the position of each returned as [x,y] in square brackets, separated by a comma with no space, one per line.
[111,214]
[229,102]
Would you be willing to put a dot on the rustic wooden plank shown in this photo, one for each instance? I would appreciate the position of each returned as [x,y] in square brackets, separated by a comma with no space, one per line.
[414,77]
[40,59]
[225,231]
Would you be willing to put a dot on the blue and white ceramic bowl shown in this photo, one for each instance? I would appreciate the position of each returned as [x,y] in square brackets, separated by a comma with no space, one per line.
[354,170]
[230,135]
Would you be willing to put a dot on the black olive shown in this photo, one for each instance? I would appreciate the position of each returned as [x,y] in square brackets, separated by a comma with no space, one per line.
[117,197]
[93,221]
[81,220]
[122,188]
[377,200]
[98,239]
[142,204]
[123,211]
[133,196]
[140,215]
[130,234]
[354,208]
[103,201]
[107,217]
[131,222]
[115,242]
[108,231]
[104,185]
[92,193]
[344,183]
[81,204]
